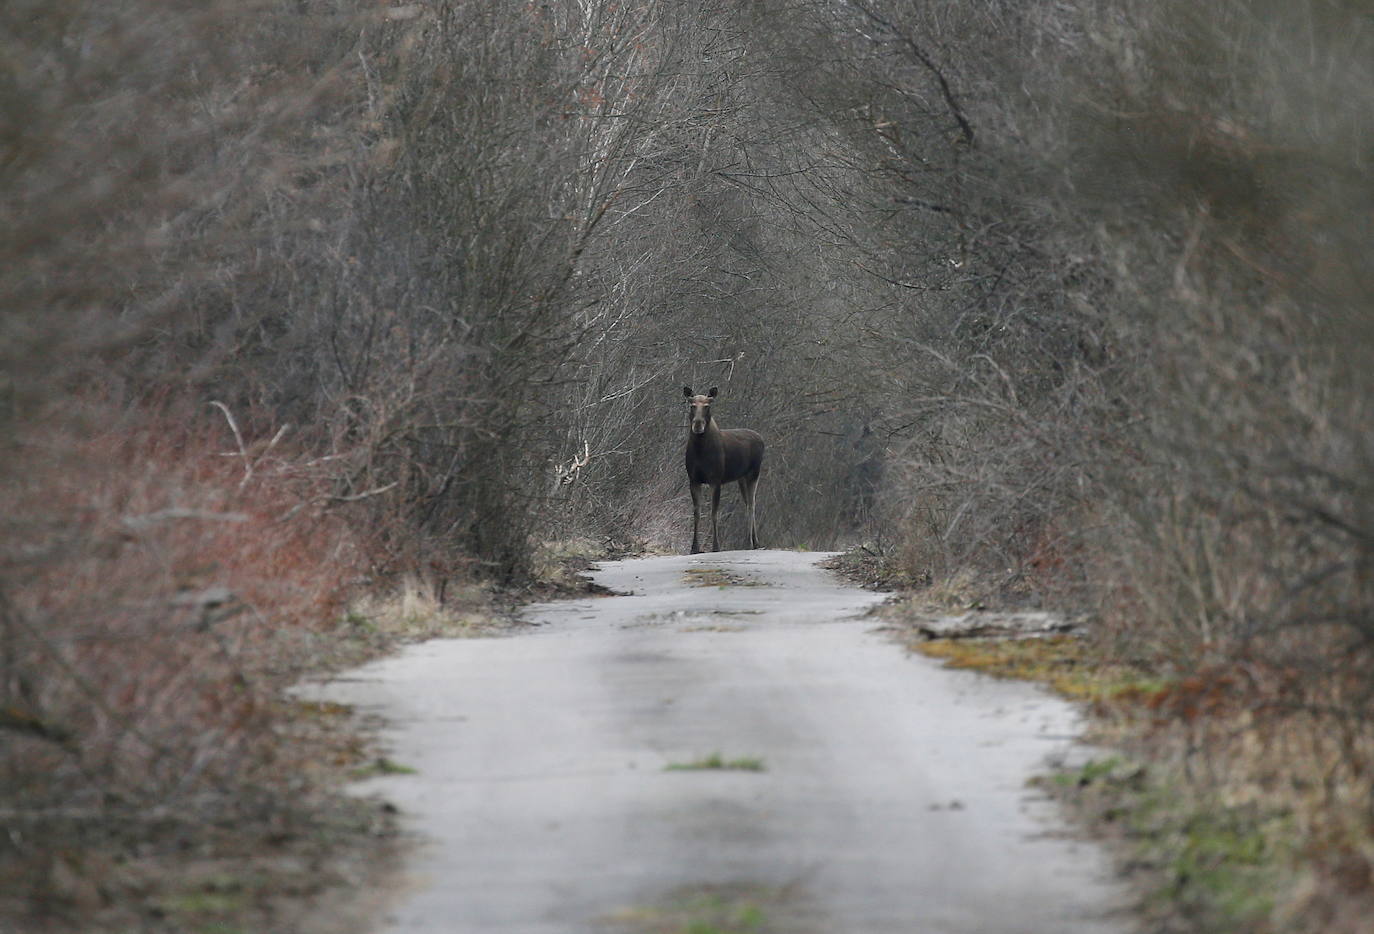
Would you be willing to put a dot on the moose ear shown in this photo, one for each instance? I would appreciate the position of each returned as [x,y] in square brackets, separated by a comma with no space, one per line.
[687,391]
[712,393]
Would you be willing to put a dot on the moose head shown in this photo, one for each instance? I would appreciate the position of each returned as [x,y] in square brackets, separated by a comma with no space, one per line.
[701,408]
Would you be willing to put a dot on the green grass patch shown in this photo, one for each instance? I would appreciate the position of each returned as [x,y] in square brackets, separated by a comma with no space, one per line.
[360,621]
[325,710]
[381,765]
[1094,770]
[206,904]
[1206,862]
[713,909]
[716,762]
[1218,865]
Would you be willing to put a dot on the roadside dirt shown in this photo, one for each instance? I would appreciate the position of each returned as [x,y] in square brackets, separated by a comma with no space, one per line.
[726,747]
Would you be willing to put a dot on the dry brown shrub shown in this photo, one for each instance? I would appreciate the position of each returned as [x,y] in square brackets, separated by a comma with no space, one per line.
[155,598]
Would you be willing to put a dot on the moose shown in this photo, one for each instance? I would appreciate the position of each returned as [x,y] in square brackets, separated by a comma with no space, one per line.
[717,456]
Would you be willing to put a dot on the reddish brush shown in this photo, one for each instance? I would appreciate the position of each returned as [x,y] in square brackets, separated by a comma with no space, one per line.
[158,584]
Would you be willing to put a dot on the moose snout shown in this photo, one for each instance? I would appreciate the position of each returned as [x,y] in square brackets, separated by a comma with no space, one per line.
[698,427]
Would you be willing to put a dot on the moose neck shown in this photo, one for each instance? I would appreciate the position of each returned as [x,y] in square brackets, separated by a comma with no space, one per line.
[709,438]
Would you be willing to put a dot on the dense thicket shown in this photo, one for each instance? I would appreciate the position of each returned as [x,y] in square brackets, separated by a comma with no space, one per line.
[1065,300]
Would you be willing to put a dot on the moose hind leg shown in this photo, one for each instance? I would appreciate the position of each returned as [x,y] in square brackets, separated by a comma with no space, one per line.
[747,486]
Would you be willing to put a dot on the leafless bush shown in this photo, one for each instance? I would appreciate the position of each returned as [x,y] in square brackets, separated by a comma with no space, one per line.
[1235,234]
[161,586]
[155,593]
[1219,155]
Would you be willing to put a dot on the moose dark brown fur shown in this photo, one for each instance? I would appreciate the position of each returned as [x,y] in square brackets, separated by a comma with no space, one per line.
[717,456]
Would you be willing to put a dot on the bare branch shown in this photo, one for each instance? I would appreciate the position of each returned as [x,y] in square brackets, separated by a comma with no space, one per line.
[965,128]
[238,437]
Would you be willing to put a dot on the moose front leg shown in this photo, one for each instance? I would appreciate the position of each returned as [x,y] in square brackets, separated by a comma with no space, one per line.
[696,513]
[715,507]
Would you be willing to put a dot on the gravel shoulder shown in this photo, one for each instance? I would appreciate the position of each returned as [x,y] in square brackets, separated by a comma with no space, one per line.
[731,724]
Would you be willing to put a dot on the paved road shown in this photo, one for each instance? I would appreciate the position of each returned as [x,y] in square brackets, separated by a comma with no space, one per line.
[892,797]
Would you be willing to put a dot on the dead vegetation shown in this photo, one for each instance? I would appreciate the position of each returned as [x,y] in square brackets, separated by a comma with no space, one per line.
[1230,809]
[1231,800]
[160,594]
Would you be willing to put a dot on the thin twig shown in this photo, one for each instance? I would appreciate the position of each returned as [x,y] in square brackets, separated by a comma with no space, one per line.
[357,496]
[281,432]
[965,128]
[238,437]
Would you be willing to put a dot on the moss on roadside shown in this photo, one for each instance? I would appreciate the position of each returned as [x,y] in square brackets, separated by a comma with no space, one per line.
[1067,664]
[1210,865]
[1203,861]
